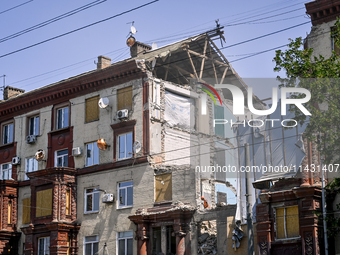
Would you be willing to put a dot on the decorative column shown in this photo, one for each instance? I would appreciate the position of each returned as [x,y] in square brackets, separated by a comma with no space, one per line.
[55,201]
[142,237]
[180,232]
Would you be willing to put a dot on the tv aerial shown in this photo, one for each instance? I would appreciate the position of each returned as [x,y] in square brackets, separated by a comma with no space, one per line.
[131,40]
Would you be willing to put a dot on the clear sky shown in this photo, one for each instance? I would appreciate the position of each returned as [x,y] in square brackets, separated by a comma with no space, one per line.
[162,22]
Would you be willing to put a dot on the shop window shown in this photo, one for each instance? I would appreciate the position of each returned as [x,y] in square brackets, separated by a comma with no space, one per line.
[62,117]
[7,133]
[6,171]
[163,186]
[61,158]
[125,191]
[91,244]
[91,109]
[31,166]
[33,125]
[124,98]
[92,154]
[44,246]
[26,210]
[43,203]
[125,142]
[125,243]
[169,239]
[287,222]
[91,200]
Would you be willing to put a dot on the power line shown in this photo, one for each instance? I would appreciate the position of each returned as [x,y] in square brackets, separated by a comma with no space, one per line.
[16,6]
[50,21]
[78,29]
[258,53]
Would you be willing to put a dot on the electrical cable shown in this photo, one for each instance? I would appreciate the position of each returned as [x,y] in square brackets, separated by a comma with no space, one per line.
[16,6]
[50,21]
[78,29]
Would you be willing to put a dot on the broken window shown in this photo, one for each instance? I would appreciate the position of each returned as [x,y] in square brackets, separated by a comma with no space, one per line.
[125,243]
[125,142]
[43,203]
[91,109]
[61,158]
[163,241]
[6,171]
[26,210]
[44,246]
[33,125]
[125,191]
[91,245]
[7,133]
[124,98]
[163,186]
[92,154]
[287,222]
[91,200]
[31,166]
[62,117]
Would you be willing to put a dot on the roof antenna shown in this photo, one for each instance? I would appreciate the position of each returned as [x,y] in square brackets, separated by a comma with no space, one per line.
[221,34]
[131,40]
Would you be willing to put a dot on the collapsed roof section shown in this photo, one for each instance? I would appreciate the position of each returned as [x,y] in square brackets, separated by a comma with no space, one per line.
[195,58]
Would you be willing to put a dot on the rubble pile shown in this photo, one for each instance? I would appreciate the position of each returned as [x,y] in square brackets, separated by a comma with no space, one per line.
[207,240]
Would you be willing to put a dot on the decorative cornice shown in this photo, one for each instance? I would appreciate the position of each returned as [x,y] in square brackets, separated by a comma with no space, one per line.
[70,88]
[322,11]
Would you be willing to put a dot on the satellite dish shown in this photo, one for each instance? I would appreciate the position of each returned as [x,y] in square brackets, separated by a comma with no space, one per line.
[154,46]
[102,145]
[40,155]
[137,147]
[103,102]
[133,30]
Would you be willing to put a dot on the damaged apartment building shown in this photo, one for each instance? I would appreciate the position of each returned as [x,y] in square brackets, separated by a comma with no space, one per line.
[104,162]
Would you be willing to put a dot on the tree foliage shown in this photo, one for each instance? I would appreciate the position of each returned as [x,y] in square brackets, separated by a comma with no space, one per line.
[321,76]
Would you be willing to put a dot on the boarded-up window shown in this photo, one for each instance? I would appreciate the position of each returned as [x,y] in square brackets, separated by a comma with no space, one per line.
[163,187]
[26,210]
[287,222]
[9,215]
[44,203]
[124,97]
[92,109]
[68,204]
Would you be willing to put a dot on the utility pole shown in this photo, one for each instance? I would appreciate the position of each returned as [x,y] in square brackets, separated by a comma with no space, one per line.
[250,231]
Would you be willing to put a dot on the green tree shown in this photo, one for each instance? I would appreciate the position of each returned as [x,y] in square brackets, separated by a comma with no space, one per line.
[321,77]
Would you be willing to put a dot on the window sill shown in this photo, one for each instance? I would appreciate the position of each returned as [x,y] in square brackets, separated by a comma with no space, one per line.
[163,203]
[92,212]
[6,145]
[60,130]
[288,240]
[121,159]
[124,207]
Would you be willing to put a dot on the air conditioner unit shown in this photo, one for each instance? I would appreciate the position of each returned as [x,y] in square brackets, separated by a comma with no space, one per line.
[122,114]
[15,161]
[108,198]
[76,151]
[31,139]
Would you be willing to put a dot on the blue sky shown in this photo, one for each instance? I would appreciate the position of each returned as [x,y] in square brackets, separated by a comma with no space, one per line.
[162,22]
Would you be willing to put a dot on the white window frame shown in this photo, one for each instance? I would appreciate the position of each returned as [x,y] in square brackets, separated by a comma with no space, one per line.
[90,242]
[94,153]
[56,158]
[8,170]
[35,130]
[125,240]
[118,147]
[31,165]
[62,109]
[46,250]
[95,191]
[125,205]
[8,133]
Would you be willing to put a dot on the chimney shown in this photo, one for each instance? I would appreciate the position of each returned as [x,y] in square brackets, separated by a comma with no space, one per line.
[139,48]
[103,62]
[10,92]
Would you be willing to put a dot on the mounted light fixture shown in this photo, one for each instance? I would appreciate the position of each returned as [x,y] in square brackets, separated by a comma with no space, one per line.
[130,41]
[102,145]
